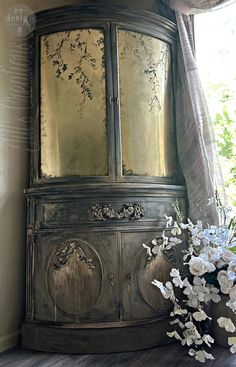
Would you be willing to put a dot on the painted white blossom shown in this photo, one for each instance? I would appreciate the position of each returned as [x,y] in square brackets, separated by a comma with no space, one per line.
[166,290]
[199,266]
[224,282]
[226,324]
[232,342]
[176,230]
[169,221]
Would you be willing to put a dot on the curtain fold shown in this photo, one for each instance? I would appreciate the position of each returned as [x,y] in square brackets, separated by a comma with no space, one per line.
[189,7]
[195,138]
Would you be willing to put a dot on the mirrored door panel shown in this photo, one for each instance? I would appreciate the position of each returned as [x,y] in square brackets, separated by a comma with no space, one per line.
[146,110]
[73,108]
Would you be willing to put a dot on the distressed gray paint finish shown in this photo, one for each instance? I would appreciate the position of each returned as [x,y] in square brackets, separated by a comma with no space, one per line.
[87,282]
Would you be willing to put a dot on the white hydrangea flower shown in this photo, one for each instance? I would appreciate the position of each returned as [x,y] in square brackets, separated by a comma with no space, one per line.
[231,275]
[166,290]
[231,271]
[149,253]
[177,281]
[191,335]
[232,342]
[199,266]
[178,311]
[184,226]
[200,355]
[211,254]
[196,241]
[169,221]
[173,241]
[200,315]
[176,230]
[213,294]
[227,256]
[226,324]
[208,340]
[231,304]
[178,322]
[165,239]
[174,334]
[232,301]
[232,293]
[224,282]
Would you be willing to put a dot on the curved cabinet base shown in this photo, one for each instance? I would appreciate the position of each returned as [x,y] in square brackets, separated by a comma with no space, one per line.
[102,339]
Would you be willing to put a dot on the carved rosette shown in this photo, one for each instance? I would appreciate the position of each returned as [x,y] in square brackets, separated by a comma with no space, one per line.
[129,211]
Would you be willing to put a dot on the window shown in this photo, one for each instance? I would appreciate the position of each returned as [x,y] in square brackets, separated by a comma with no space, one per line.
[215,36]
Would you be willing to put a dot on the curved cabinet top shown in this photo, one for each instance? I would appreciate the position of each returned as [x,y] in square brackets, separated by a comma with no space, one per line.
[69,16]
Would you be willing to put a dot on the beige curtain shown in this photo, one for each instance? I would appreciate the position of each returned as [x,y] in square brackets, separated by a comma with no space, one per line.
[195,138]
[189,7]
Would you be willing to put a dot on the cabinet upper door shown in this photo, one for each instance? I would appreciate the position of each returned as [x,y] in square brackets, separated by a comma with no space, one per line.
[106,104]
[73,104]
[146,105]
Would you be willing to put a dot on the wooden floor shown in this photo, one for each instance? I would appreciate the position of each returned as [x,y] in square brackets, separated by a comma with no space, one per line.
[167,356]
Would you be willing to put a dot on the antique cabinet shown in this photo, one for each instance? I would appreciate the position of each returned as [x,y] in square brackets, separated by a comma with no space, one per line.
[104,172]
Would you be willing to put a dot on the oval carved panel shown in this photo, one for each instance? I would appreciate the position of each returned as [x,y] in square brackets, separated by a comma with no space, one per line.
[158,268]
[74,277]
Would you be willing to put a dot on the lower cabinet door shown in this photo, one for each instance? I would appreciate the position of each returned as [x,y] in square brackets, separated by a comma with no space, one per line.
[76,277]
[140,298]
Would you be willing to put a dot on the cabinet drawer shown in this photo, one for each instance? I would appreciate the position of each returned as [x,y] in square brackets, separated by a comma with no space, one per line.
[100,212]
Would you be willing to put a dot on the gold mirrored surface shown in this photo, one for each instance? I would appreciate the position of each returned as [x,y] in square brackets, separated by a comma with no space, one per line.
[146,105]
[73,110]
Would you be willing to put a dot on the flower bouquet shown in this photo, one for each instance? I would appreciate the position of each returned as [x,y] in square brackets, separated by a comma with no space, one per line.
[211,263]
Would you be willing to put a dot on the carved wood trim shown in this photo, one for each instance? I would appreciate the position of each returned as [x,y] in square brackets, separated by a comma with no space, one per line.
[129,211]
